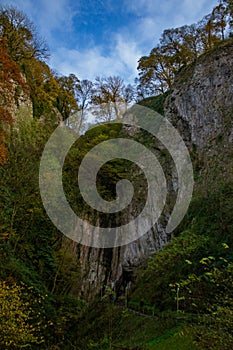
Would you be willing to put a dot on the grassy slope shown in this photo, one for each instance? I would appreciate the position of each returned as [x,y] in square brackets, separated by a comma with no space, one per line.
[106,326]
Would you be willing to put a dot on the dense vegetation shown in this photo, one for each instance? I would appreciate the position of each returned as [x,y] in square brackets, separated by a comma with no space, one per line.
[182,297]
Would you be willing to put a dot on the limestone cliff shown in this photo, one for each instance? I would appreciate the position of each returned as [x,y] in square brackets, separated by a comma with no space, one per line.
[14,90]
[201,98]
[200,106]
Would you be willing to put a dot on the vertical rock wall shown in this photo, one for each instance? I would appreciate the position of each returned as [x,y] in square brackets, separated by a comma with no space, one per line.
[200,106]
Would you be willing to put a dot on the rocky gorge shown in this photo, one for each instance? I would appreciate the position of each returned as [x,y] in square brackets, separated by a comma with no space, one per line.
[200,107]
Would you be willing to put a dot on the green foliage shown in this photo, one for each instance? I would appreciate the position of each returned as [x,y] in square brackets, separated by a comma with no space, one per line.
[132,330]
[20,36]
[208,285]
[214,330]
[31,248]
[22,211]
[179,47]
[20,322]
[166,267]
[193,273]
[178,338]
[156,102]
[108,175]
[184,292]
[210,213]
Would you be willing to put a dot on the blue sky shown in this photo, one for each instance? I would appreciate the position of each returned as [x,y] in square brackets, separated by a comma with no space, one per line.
[105,37]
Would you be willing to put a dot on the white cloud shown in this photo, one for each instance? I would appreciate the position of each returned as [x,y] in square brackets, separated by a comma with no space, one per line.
[90,63]
[148,31]
[85,64]
[55,14]
[169,8]
[48,15]
[152,17]
[120,53]
[128,53]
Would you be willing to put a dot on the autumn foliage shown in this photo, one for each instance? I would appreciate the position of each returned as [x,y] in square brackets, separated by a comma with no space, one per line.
[19,325]
[181,46]
[11,81]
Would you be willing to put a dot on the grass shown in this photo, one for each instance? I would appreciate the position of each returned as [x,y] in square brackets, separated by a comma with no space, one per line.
[155,102]
[146,332]
[176,339]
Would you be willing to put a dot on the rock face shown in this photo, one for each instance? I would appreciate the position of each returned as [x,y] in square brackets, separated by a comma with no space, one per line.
[200,106]
[23,102]
[115,267]
[15,97]
[202,98]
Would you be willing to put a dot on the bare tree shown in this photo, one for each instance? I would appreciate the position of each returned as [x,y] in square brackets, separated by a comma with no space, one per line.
[83,93]
[129,95]
[108,97]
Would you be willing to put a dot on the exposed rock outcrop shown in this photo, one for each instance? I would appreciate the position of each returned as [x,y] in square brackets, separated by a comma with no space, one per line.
[115,267]
[201,102]
[200,106]
[16,98]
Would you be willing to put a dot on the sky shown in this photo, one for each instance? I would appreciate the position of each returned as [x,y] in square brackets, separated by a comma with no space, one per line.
[91,38]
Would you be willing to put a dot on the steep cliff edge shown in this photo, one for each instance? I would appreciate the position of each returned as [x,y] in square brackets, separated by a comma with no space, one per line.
[201,98]
[200,106]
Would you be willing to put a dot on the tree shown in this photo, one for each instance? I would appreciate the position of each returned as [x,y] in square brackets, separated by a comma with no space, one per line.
[129,95]
[209,31]
[156,71]
[192,41]
[181,46]
[178,44]
[20,36]
[219,14]
[208,290]
[229,10]
[11,85]
[141,90]
[108,97]
[43,87]
[83,93]
[65,100]
[178,47]
[16,327]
